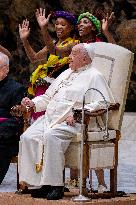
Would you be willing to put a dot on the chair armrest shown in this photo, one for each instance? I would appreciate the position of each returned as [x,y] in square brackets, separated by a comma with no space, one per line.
[77,113]
[100,112]
[25,112]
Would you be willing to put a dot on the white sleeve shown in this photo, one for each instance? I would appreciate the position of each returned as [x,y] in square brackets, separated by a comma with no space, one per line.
[41,102]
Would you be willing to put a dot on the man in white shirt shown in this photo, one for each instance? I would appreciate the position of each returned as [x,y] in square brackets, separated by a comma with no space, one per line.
[51,134]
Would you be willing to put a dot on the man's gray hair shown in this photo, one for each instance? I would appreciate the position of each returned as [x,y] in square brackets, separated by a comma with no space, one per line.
[4,58]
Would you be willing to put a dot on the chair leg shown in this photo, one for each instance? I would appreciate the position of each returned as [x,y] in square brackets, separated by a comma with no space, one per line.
[91,180]
[18,186]
[85,168]
[113,181]
[64,175]
[113,172]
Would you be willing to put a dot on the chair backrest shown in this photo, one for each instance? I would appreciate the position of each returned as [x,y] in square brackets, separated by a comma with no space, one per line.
[115,63]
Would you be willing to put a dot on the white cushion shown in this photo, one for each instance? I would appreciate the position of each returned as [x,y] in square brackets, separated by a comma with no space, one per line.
[95,136]
[99,136]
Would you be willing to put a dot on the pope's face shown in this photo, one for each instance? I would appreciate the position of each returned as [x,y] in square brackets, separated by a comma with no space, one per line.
[77,57]
[4,70]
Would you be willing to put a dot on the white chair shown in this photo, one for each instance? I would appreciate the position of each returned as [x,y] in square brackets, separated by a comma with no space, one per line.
[115,63]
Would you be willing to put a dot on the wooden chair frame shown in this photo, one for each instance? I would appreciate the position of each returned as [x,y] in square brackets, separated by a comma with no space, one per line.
[26,113]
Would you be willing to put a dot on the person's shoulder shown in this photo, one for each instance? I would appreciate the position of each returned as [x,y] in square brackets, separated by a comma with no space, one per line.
[66,72]
[14,84]
[95,72]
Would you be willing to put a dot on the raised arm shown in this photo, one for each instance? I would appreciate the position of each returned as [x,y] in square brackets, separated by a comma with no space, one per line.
[105,28]
[5,51]
[24,32]
[53,49]
[43,23]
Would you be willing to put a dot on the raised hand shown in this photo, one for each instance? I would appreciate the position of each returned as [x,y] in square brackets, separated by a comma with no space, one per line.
[24,30]
[42,21]
[106,21]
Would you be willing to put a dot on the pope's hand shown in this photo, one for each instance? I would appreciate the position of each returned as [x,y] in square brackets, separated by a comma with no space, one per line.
[27,102]
[70,120]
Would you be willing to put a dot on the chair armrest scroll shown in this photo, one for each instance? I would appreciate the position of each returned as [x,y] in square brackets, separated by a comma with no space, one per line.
[77,113]
[25,112]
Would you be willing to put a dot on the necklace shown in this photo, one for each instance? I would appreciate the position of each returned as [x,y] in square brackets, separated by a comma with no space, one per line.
[65,42]
[70,78]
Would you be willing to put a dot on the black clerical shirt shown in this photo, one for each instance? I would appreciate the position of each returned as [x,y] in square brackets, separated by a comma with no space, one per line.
[11,93]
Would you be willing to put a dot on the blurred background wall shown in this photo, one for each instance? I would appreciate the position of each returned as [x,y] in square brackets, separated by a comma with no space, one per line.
[12,12]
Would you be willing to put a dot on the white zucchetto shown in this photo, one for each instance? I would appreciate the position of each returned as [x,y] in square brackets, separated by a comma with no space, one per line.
[90,48]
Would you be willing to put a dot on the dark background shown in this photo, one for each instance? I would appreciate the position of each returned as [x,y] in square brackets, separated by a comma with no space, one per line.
[12,12]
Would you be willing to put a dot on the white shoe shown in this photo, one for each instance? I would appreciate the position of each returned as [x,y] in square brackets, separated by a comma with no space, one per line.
[102,189]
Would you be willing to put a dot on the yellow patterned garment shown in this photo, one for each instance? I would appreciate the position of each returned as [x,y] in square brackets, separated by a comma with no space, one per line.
[53,61]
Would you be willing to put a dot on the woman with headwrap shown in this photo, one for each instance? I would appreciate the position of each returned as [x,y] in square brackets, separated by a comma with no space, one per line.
[91,30]
[45,73]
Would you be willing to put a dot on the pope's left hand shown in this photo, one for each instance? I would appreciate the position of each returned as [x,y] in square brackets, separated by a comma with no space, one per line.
[70,120]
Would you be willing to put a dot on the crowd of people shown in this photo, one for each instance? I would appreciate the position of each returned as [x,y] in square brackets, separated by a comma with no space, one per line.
[56,87]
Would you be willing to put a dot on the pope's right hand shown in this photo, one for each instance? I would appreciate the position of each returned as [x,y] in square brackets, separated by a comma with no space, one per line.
[27,102]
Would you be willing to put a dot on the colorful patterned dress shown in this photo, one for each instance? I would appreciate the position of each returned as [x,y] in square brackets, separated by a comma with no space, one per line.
[44,74]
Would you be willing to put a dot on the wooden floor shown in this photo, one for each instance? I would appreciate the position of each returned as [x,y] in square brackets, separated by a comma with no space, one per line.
[14,199]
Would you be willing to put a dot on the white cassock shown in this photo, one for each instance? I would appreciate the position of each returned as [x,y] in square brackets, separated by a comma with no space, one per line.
[51,130]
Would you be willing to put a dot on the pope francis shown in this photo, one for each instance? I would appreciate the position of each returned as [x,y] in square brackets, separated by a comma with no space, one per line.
[56,128]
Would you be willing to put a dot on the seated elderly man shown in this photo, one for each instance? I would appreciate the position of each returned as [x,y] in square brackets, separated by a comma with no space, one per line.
[57,127]
[11,93]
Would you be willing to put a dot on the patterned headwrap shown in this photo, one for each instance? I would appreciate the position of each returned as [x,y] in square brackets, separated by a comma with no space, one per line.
[92,18]
[66,15]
